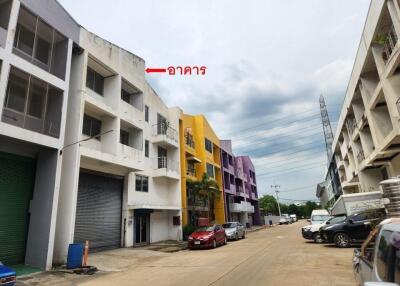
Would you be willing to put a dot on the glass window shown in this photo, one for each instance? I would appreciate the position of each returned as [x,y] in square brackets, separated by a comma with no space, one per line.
[17,90]
[94,81]
[209,145]
[142,183]
[91,126]
[359,217]
[210,170]
[37,96]
[124,137]
[368,253]
[146,113]
[146,148]
[385,256]
[337,219]
[44,39]
[125,96]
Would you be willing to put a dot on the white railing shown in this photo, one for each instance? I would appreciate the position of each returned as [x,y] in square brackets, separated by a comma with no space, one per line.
[241,207]
[165,163]
[130,153]
[390,43]
[165,130]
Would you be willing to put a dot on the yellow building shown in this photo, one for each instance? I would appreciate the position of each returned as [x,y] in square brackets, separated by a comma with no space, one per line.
[200,153]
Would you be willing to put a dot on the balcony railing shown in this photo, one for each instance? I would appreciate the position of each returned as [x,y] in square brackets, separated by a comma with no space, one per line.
[191,172]
[351,125]
[165,163]
[165,130]
[360,156]
[189,140]
[389,44]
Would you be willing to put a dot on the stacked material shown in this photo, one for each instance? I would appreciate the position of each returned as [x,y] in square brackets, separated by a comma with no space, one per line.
[391,195]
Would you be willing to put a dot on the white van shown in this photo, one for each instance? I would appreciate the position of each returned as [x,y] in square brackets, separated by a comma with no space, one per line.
[319,216]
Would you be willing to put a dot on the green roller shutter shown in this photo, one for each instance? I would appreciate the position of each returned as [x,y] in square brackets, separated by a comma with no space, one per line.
[17,176]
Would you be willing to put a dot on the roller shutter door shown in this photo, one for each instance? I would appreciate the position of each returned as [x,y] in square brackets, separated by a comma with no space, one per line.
[98,213]
[17,177]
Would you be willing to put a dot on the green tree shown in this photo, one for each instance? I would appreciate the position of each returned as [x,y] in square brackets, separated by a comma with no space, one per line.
[269,205]
[206,188]
[293,209]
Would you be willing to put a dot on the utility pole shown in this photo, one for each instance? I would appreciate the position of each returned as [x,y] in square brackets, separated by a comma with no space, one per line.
[276,187]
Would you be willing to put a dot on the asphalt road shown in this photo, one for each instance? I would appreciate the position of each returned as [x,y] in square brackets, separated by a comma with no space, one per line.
[275,256]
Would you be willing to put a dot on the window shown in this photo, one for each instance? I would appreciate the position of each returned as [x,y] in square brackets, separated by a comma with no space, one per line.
[95,81]
[367,253]
[91,126]
[385,256]
[146,113]
[146,148]
[32,104]
[142,183]
[232,179]
[230,159]
[209,145]
[124,137]
[125,96]
[39,43]
[210,170]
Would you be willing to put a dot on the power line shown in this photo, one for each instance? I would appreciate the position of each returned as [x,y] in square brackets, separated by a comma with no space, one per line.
[269,175]
[301,153]
[296,166]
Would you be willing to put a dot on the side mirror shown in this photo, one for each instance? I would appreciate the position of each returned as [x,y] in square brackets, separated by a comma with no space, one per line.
[328,222]
[351,221]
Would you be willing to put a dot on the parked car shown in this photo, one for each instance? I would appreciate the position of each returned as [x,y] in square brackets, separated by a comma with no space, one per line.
[293,218]
[311,231]
[207,237]
[234,230]
[284,220]
[355,228]
[376,262]
[7,276]
[318,216]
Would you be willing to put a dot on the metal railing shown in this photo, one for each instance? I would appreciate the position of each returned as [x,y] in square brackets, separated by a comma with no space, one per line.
[189,140]
[360,156]
[351,125]
[164,129]
[191,172]
[165,163]
[389,44]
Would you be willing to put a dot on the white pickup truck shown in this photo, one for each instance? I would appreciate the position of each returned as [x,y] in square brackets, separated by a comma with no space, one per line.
[311,231]
[377,263]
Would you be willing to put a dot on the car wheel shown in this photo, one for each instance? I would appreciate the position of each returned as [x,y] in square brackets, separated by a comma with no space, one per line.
[318,238]
[225,240]
[236,236]
[341,240]
[214,244]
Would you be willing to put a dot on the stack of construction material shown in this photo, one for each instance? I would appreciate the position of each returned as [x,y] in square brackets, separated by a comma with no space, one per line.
[391,195]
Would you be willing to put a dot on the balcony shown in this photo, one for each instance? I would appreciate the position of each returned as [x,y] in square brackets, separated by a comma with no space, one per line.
[360,156]
[389,44]
[189,141]
[351,126]
[131,114]
[131,155]
[164,135]
[191,172]
[242,207]
[165,168]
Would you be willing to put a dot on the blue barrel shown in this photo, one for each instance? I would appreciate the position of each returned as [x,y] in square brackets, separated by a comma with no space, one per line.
[75,256]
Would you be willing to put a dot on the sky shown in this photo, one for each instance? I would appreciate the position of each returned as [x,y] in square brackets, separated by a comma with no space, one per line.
[268,61]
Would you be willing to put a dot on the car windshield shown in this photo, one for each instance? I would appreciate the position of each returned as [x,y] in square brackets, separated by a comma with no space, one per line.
[337,219]
[229,225]
[320,217]
[205,228]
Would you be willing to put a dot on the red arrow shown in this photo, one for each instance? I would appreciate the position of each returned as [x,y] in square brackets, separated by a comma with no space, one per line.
[149,70]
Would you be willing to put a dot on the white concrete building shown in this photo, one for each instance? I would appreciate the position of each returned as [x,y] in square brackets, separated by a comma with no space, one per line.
[36,39]
[367,140]
[120,183]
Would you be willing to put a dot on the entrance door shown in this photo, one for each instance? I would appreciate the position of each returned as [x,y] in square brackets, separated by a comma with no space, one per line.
[142,229]
[17,177]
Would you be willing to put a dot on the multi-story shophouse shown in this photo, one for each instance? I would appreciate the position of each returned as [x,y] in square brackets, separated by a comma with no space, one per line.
[200,153]
[120,184]
[367,139]
[36,40]
[240,188]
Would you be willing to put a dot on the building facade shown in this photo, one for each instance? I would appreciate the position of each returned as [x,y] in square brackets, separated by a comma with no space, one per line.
[200,154]
[240,187]
[120,184]
[36,39]
[367,138]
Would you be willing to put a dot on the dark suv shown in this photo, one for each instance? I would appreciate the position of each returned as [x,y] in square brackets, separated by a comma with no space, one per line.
[354,228]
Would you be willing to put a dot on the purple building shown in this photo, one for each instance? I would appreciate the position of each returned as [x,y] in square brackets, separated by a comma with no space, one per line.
[240,187]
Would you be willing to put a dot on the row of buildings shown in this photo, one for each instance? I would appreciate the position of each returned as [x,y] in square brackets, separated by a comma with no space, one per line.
[366,144]
[89,151]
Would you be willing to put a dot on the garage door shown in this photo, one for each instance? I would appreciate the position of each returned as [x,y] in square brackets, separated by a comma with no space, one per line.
[17,176]
[98,213]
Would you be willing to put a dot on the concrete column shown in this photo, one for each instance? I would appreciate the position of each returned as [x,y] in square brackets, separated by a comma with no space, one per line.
[394,15]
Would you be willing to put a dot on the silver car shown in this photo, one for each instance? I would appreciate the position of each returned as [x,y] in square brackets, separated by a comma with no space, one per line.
[234,230]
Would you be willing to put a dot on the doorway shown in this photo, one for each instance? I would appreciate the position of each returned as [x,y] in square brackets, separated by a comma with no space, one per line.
[142,229]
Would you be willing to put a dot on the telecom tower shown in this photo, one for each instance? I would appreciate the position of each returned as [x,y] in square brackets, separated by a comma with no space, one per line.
[326,125]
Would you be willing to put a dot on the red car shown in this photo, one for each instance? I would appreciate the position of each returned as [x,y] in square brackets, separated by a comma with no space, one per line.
[207,237]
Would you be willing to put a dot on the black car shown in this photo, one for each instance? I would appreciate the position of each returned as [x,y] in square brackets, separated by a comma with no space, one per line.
[355,228]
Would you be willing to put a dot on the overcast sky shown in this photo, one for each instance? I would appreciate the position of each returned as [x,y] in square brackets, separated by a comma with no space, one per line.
[268,61]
